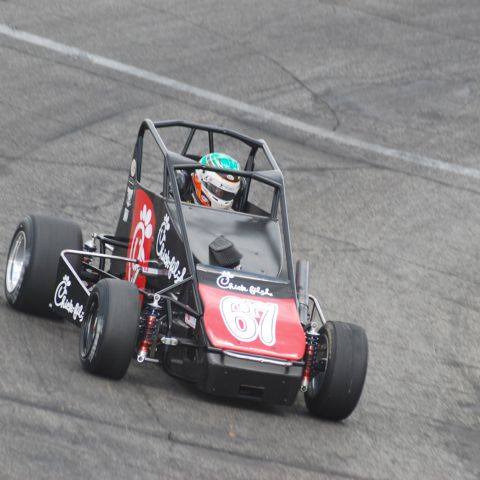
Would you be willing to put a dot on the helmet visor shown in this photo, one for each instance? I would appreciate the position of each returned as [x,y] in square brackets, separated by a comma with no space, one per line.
[219,192]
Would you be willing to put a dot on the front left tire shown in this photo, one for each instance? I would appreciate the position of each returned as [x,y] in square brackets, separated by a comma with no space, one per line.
[109,331]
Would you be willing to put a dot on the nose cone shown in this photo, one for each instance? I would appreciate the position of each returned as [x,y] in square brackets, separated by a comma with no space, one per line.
[249,318]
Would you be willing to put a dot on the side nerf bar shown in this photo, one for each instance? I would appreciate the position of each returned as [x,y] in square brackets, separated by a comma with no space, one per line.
[71,295]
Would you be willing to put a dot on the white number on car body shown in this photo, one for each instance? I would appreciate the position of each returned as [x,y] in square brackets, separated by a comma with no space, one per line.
[247,319]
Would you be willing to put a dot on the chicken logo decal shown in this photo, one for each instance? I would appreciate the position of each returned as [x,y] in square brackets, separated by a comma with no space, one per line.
[141,235]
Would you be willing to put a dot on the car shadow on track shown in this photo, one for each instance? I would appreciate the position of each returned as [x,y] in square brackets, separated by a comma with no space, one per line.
[153,376]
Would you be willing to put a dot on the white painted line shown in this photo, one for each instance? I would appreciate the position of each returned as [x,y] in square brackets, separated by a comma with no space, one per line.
[236,105]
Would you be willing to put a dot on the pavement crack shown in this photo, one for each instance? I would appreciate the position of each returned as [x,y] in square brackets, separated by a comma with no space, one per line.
[88,123]
[460,303]
[332,473]
[417,175]
[141,389]
[43,383]
[164,93]
[464,370]
[316,97]
[65,164]
[112,198]
[294,168]
[356,248]
[399,21]
[174,438]
[69,412]
[428,268]
[352,245]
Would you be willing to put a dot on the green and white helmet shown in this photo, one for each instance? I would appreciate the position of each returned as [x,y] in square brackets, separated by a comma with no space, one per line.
[214,189]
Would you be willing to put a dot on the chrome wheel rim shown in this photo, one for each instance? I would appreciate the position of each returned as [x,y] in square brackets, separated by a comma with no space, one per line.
[16,262]
[91,329]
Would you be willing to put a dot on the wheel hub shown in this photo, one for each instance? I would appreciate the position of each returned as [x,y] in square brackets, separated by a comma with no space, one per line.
[16,263]
[91,330]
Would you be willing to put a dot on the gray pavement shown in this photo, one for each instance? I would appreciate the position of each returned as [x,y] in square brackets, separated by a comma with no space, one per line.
[392,245]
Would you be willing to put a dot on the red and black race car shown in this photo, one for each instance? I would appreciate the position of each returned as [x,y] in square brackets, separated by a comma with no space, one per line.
[211,295]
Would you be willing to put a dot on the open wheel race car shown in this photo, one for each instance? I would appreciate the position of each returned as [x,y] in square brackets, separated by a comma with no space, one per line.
[209,294]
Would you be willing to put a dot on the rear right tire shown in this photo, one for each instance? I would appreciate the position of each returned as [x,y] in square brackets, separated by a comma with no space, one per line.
[336,387]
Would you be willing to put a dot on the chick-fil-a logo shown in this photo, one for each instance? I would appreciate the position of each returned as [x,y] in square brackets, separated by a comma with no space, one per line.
[141,235]
[225,281]
[172,265]
[62,301]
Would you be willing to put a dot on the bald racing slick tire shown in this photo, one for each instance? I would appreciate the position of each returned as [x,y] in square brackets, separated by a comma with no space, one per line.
[108,333]
[31,271]
[335,389]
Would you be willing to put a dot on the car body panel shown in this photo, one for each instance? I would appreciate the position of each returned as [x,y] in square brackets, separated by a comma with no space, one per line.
[250,314]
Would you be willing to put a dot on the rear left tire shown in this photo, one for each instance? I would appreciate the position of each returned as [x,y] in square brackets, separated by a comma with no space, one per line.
[31,271]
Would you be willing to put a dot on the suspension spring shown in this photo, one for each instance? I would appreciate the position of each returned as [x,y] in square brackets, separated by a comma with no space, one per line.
[311,353]
[149,328]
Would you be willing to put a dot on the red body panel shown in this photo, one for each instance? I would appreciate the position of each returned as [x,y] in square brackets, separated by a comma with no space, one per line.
[252,324]
[141,234]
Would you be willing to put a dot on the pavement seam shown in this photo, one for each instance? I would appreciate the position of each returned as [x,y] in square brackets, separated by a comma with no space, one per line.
[252,111]
[175,438]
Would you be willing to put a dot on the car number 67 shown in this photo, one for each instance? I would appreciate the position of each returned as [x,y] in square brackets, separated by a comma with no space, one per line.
[248,320]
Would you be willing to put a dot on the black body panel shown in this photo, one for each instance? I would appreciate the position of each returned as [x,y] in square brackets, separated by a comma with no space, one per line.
[242,378]
[258,239]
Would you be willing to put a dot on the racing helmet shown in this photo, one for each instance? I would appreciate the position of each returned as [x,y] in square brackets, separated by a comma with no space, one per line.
[215,189]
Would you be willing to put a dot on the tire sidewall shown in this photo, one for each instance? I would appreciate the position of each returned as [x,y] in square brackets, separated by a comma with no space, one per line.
[345,374]
[45,238]
[117,311]
[93,356]
[16,297]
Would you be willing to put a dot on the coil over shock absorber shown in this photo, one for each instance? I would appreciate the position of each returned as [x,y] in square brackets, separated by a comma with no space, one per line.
[311,354]
[149,327]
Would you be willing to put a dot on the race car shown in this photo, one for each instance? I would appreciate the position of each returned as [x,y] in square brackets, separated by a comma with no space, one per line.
[209,294]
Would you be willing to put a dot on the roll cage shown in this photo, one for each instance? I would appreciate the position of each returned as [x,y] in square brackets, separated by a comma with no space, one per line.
[115,248]
[174,161]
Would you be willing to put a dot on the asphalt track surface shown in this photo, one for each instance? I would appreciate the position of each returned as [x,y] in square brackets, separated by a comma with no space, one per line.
[393,244]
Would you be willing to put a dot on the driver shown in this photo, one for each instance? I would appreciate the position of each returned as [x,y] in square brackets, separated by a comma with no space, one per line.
[212,189]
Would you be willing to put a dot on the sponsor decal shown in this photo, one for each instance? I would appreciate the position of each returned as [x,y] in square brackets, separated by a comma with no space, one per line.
[128,203]
[133,168]
[172,265]
[128,200]
[248,320]
[190,321]
[252,325]
[225,281]
[141,235]
[62,301]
